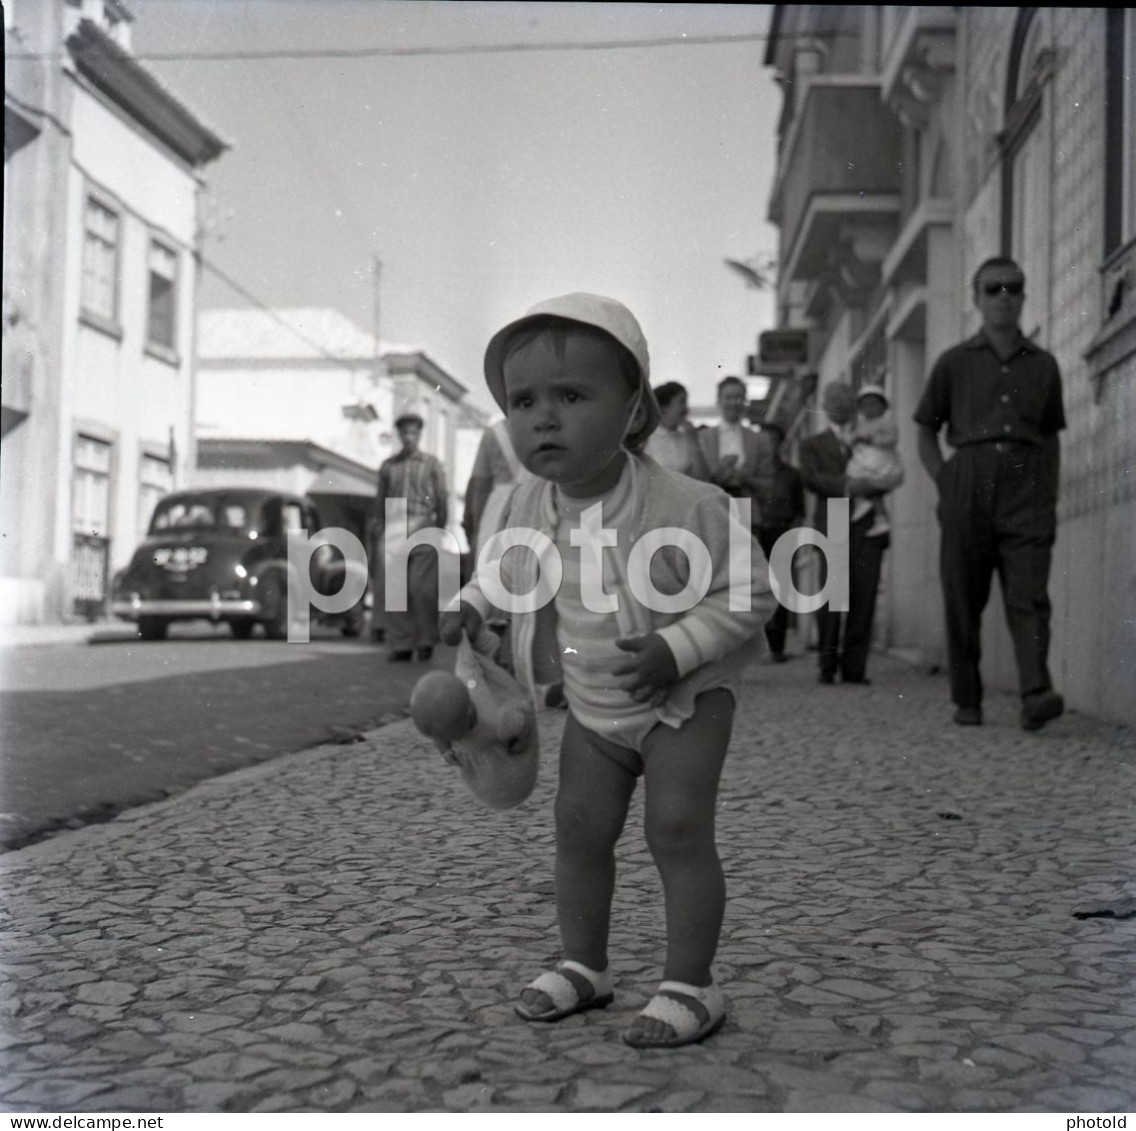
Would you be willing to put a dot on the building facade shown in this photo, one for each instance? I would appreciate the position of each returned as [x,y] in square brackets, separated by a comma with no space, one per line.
[268,379]
[914,143]
[102,178]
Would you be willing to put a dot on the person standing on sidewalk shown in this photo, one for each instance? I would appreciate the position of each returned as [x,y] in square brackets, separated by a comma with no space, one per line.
[495,475]
[651,693]
[674,444]
[420,479]
[875,439]
[782,508]
[824,461]
[999,395]
[740,459]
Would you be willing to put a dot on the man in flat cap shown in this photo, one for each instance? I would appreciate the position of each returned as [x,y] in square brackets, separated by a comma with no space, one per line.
[420,479]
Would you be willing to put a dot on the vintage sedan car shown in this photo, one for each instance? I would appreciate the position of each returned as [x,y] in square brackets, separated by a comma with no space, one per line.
[222,555]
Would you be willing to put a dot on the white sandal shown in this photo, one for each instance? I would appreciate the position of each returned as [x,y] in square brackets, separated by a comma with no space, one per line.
[685,1023]
[565,994]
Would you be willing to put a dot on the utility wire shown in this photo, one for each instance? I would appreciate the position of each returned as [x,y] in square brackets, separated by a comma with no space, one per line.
[415,52]
[246,294]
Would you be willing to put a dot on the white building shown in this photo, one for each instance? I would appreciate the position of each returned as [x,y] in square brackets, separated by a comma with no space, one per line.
[102,176]
[268,379]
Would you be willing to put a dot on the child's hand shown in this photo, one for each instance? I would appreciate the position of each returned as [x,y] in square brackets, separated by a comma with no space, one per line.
[447,751]
[451,624]
[651,668]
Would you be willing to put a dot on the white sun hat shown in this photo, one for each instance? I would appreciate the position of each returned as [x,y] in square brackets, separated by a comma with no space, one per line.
[606,314]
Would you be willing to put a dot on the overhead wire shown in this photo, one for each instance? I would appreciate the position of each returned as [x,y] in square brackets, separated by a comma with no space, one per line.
[275,315]
[296,54]
[396,52]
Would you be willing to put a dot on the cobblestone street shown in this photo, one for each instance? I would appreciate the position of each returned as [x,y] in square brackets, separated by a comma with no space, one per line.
[921,918]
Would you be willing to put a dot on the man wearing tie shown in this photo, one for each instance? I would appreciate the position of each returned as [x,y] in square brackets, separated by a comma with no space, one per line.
[741,460]
[823,459]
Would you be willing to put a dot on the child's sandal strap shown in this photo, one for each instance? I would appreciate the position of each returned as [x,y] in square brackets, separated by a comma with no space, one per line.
[710,996]
[602,980]
[565,994]
[685,1023]
[561,990]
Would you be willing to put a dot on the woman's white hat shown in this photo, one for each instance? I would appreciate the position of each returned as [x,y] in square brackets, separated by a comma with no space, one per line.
[606,314]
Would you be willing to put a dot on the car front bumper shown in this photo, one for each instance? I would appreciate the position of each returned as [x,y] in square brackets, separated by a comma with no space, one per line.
[215,608]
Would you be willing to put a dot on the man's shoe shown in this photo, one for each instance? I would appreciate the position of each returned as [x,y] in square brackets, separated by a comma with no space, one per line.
[826,677]
[969,716]
[425,654]
[1039,708]
[400,657]
[779,657]
[862,679]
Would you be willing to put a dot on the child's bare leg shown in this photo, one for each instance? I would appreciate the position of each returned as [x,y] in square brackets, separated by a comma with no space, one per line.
[591,808]
[682,769]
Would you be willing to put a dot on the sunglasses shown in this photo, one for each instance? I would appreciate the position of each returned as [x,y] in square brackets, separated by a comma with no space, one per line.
[997,288]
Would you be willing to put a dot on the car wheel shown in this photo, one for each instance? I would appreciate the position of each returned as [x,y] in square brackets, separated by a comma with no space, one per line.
[242,629]
[274,598]
[152,628]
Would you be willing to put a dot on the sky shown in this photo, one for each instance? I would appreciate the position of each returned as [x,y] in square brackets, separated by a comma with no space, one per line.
[484,182]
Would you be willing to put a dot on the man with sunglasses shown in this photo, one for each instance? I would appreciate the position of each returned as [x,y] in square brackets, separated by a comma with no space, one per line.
[999,395]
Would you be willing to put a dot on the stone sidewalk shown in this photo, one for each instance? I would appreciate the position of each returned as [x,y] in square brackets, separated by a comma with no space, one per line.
[921,918]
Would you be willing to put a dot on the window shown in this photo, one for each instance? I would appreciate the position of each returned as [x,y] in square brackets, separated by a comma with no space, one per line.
[90,496]
[100,261]
[161,323]
[200,512]
[90,524]
[1120,143]
[1027,165]
[155,481]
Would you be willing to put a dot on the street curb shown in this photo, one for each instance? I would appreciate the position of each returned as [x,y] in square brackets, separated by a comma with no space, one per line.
[244,775]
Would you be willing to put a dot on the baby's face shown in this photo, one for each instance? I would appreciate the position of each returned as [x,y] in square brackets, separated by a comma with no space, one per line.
[567,415]
[871,407]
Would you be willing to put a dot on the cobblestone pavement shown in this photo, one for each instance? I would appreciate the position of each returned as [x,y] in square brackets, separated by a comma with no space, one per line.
[921,918]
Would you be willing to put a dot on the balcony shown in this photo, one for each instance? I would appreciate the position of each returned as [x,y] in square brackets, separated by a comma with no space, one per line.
[919,61]
[839,178]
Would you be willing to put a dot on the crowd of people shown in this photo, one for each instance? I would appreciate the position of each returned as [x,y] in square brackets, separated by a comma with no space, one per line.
[998,395]
[650,687]
[748,463]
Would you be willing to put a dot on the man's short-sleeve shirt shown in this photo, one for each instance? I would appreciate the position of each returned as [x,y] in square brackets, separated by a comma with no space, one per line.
[420,479]
[980,396]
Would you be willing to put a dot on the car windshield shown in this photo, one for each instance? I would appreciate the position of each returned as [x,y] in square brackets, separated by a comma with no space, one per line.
[200,514]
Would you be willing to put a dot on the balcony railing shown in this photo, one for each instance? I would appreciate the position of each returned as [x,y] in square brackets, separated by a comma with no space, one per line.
[842,162]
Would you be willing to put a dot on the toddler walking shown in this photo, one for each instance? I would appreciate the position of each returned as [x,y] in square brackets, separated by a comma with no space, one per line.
[874,457]
[645,639]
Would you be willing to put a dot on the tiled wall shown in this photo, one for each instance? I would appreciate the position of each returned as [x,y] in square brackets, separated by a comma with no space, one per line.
[1093,583]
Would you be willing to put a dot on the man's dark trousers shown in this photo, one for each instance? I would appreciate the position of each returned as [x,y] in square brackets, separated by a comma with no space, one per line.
[997,512]
[778,624]
[865,558]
